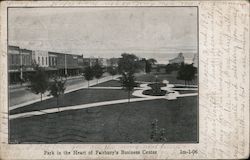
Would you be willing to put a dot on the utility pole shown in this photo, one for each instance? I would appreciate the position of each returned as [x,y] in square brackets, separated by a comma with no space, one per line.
[21,65]
[65,65]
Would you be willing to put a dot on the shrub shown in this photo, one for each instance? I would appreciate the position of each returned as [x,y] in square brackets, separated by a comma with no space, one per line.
[156,90]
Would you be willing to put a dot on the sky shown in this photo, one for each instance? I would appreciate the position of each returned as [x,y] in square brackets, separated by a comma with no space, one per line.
[150,32]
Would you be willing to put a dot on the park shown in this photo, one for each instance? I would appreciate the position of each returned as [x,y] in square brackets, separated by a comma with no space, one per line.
[130,107]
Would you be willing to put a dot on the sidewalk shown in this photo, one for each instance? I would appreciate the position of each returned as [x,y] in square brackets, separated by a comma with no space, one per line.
[17,86]
[97,104]
[14,87]
[172,95]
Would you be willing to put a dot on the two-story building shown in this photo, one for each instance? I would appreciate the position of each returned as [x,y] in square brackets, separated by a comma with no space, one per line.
[179,59]
[19,63]
[40,58]
[66,64]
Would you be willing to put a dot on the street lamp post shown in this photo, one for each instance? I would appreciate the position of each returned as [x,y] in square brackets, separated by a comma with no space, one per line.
[65,65]
[21,65]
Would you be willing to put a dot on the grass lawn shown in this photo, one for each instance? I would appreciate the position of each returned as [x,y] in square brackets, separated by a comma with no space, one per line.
[187,91]
[128,122]
[170,77]
[82,96]
[111,83]
[177,86]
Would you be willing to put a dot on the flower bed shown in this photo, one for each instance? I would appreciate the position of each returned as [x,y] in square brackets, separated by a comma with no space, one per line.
[156,90]
[151,93]
[157,84]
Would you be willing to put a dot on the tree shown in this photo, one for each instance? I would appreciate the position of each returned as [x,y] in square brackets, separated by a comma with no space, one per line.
[186,72]
[172,67]
[152,61]
[128,63]
[98,71]
[158,68]
[57,88]
[128,82]
[88,74]
[148,64]
[112,71]
[148,67]
[168,69]
[39,81]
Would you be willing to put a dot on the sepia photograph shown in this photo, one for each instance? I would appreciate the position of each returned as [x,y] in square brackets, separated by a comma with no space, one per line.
[103,74]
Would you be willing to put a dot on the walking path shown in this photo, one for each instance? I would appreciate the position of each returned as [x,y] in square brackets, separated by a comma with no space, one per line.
[112,88]
[185,89]
[97,104]
[105,87]
[184,85]
[171,95]
[55,110]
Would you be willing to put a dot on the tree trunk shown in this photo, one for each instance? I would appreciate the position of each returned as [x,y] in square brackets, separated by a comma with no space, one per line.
[41,97]
[57,101]
[128,96]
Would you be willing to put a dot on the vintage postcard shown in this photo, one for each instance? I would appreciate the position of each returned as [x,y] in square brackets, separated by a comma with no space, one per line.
[124,80]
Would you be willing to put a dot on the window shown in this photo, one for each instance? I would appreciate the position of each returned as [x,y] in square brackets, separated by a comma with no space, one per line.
[30,60]
[54,61]
[49,61]
[38,60]
[12,59]
[17,57]
[27,60]
[42,61]
[23,59]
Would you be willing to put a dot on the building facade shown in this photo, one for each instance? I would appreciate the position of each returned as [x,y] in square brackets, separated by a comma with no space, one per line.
[22,62]
[113,62]
[13,58]
[179,59]
[19,64]
[66,64]
[91,61]
[40,58]
[52,59]
[195,60]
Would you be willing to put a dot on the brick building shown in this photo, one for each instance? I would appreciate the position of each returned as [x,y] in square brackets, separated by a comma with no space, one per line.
[19,64]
